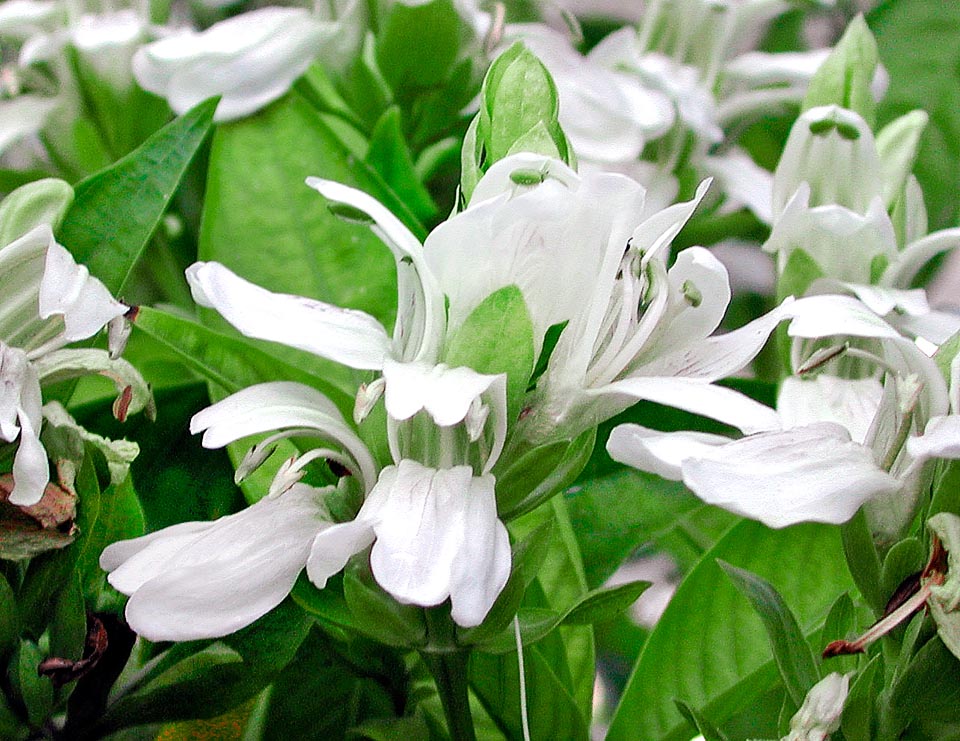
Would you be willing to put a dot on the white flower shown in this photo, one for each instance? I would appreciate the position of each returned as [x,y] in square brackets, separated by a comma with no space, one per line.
[435,532]
[250,60]
[48,301]
[843,439]
[832,190]
[586,251]
[822,708]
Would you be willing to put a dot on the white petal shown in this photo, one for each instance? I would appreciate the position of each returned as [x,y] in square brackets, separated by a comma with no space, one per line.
[698,272]
[345,336]
[851,403]
[815,317]
[23,116]
[935,326]
[807,474]
[31,472]
[422,294]
[276,406]
[132,563]
[333,547]
[445,393]
[940,439]
[758,68]
[661,453]
[904,268]
[722,355]
[229,574]
[250,60]
[482,566]
[697,396]
[421,529]
[880,300]
[743,181]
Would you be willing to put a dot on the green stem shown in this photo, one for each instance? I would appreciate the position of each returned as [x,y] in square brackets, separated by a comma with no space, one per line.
[448,665]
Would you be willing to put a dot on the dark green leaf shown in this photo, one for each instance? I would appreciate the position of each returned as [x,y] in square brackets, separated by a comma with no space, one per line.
[841,624]
[212,678]
[790,650]
[858,722]
[864,562]
[389,154]
[116,211]
[408,64]
[919,45]
[35,691]
[377,613]
[551,710]
[695,718]
[689,656]
[9,622]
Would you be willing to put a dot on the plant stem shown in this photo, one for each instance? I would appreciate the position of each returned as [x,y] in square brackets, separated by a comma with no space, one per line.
[448,665]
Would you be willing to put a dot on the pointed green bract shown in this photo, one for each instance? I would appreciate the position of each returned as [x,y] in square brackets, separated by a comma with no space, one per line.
[845,78]
[116,211]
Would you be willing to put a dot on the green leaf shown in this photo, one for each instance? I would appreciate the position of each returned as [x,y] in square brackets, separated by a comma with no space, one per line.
[35,691]
[232,363]
[9,622]
[562,582]
[690,656]
[841,623]
[551,709]
[540,473]
[601,605]
[172,460]
[408,64]
[377,613]
[903,560]
[40,202]
[897,145]
[497,337]
[924,696]
[864,561]
[389,154]
[616,514]
[844,79]
[212,678]
[695,718]
[858,722]
[116,211]
[790,650]
[321,695]
[919,45]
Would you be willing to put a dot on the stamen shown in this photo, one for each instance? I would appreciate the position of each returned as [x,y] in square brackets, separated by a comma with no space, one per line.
[367,397]
[821,357]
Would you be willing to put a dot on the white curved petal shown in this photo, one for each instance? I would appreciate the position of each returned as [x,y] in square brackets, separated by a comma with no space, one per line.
[940,439]
[132,563]
[697,396]
[333,547]
[904,268]
[558,232]
[68,290]
[743,181]
[935,326]
[757,68]
[445,393]
[702,279]
[250,60]
[345,336]
[482,567]
[422,521]
[721,355]
[662,453]
[826,316]
[807,474]
[23,116]
[275,406]
[850,403]
[31,472]
[406,248]
[228,574]
[880,300]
